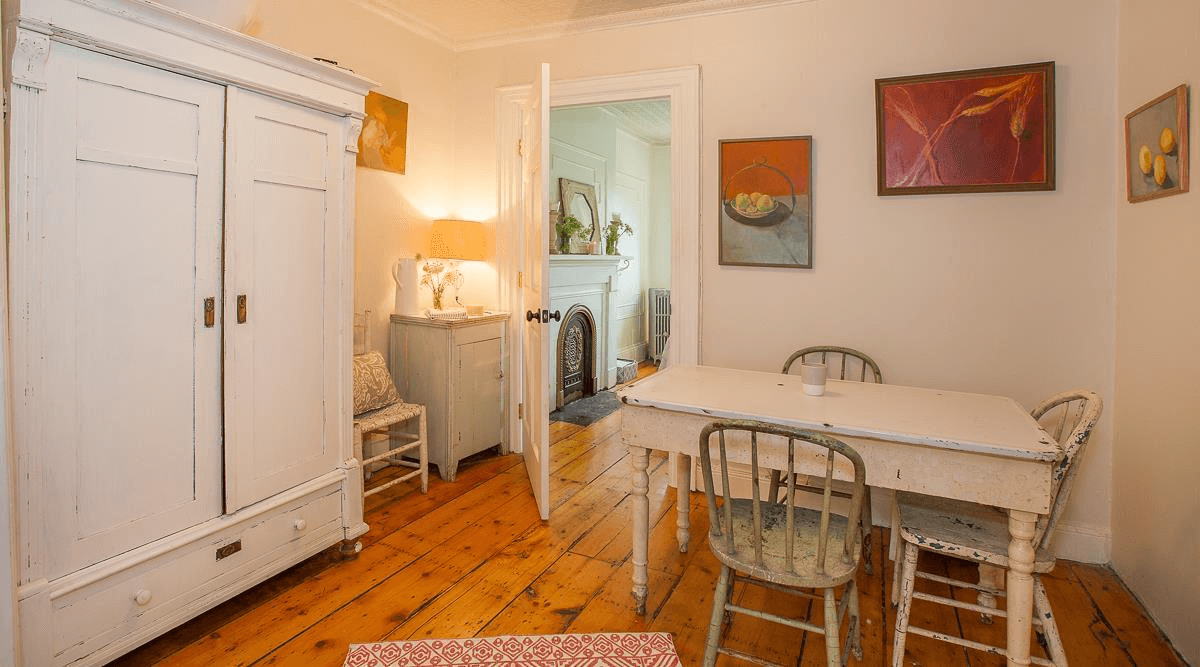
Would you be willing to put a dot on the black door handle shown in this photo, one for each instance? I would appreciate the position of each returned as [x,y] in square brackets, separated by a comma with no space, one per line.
[531,315]
[556,316]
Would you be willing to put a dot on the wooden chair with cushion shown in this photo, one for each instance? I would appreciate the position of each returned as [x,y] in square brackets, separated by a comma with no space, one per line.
[778,545]
[979,533]
[844,364]
[378,408]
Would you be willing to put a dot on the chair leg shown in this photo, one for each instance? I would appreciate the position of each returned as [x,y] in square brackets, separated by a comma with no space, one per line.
[833,657]
[854,642]
[897,568]
[423,451]
[868,542]
[909,576]
[894,534]
[720,595]
[1041,607]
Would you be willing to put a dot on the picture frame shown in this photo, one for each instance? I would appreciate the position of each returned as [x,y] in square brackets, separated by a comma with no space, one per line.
[579,199]
[1156,147]
[978,130]
[766,202]
[383,141]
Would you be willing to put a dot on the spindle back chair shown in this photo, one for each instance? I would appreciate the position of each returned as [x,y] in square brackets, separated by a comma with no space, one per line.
[777,544]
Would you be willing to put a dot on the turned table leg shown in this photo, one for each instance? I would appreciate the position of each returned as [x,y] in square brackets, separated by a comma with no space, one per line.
[639,460]
[683,506]
[1021,529]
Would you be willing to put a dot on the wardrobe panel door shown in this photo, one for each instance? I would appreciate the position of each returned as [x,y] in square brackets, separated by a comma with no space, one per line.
[284,210]
[129,248]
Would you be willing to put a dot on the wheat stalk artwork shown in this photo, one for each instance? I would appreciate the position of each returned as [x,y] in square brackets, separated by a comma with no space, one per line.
[971,131]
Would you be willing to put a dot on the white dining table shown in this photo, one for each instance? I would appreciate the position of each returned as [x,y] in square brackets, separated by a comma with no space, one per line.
[974,447]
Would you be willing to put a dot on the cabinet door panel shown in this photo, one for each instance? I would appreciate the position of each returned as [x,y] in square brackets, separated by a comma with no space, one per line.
[127,376]
[477,405]
[283,203]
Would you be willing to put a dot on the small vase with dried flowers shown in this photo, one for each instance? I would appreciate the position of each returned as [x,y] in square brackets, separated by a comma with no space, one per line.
[613,231]
[436,275]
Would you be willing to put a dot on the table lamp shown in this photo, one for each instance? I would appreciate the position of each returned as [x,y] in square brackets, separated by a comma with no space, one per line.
[454,241]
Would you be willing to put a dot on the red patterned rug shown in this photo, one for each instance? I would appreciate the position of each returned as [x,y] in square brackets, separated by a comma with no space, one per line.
[610,649]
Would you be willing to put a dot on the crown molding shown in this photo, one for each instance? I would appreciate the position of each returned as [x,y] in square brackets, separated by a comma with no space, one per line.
[387,10]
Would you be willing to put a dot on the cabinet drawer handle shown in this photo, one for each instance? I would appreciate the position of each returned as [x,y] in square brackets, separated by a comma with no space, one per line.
[142,597]
[300,524]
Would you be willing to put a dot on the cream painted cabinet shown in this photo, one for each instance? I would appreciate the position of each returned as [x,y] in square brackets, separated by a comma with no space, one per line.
[180,263]
[456,369]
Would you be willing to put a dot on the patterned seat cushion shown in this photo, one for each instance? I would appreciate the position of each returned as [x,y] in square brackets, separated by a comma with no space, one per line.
[373,386]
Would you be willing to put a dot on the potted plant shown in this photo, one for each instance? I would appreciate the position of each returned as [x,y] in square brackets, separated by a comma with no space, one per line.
[613,231]
[568,227]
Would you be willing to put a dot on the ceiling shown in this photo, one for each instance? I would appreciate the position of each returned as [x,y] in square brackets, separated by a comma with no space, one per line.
[472,24]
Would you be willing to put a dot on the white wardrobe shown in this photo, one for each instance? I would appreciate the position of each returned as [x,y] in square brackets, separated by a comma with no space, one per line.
[180,264]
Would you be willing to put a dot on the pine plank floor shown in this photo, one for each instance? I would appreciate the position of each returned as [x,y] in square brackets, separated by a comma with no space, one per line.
[472,558]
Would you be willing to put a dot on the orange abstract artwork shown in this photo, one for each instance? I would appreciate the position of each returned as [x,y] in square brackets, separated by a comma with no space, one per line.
[982,130]
[384,138]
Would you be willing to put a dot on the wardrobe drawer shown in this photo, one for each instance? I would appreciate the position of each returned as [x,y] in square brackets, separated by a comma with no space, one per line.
[180,583]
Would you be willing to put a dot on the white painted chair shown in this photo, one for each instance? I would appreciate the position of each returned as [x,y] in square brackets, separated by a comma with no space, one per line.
[383,411]
[979,533]
[844,364]
[780,546]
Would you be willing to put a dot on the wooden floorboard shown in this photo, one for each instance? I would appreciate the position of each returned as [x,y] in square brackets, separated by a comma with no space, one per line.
[472,558]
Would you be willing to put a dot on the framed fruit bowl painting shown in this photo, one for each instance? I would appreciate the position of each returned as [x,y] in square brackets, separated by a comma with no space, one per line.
[1156,147]
[981,130]
[766,202]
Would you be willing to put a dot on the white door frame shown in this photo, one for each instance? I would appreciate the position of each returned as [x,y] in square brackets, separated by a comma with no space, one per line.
[681,86]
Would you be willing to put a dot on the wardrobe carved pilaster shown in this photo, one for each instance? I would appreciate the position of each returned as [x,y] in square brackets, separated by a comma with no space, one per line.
[31,50]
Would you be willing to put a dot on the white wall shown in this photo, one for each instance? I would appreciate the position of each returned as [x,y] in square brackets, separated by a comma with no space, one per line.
[999,293]
[1156,461]
[393,211]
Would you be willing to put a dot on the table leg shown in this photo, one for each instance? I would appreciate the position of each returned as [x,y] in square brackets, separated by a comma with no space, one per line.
[683,496]
[1021,529]
[640,459]
[991,578]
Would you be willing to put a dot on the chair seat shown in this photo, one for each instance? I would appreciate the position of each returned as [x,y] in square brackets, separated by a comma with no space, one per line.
[806,573]
[386,416]
[961,529]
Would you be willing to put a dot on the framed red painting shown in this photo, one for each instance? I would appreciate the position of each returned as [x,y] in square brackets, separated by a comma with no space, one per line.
[981,130]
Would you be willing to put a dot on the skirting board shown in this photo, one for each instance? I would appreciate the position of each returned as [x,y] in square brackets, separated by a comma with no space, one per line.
[1076,542]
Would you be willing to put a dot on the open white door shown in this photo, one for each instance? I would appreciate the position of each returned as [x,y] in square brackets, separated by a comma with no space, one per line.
[535,151]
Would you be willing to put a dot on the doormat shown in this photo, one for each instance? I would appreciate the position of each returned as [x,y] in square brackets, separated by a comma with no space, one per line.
[608,649]
[587,411]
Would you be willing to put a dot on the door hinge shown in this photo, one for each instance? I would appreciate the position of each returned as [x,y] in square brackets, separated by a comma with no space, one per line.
[521,147]
[520,278]
[520,410]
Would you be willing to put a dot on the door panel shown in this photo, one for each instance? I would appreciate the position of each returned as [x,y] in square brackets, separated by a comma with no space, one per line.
[127,374]
[283,207]
[535,427]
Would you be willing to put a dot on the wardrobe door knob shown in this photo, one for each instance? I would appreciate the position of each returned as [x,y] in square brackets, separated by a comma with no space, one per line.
[142,597]
[300,524]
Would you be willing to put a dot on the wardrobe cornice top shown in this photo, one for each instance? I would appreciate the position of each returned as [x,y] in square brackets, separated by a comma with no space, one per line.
[167,38]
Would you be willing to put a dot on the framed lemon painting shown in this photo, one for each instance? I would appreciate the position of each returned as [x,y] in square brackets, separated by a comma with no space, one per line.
[1156,147]
[766,202]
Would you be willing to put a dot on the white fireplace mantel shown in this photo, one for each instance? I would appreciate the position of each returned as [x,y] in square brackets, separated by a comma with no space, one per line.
[589,280]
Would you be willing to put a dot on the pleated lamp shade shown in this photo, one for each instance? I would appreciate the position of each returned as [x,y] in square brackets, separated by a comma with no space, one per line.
[457,239]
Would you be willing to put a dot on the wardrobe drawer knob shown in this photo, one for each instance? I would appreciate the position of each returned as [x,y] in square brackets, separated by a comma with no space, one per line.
[300,524]
[142,597]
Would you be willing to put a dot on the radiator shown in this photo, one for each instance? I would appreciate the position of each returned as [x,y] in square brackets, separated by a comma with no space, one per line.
[660,321]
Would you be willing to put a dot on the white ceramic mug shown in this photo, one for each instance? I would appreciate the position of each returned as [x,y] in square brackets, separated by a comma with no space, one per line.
[812,378]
